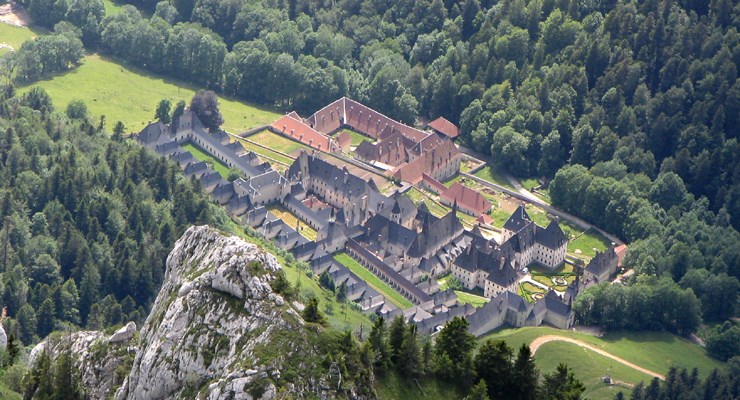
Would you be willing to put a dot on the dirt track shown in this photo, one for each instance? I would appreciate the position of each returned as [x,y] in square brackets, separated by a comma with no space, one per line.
[554,338]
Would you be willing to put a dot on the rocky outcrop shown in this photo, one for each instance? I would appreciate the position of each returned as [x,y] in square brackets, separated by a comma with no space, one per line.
[216,331]
[98,361]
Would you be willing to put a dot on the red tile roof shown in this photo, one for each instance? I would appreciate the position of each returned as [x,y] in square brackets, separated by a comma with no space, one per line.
[360,118]
[445,127]
[431,161]
[485,219]
[295,129]
[434,184]
[466,198]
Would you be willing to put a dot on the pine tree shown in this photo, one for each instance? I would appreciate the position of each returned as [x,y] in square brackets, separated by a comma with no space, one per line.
[378,340]
[12,350]
[312,313]
[45,318]
[66,385]
[493,364]
[479,391]
[455,344]
[525,375]
[395,337]
[563,385]
[409,358]
[27,323]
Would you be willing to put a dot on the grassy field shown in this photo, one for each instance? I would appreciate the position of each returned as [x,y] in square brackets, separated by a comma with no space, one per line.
[372,280]
[589,243]
[14,36]
[277,142]
[268,155]
[212,162]
[489,173]
[656,351]
[472,299]
[294,222]
[129,94]
[589,367]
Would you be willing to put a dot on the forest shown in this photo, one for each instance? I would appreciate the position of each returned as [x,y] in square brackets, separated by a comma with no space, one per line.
[630,108]
[88,219]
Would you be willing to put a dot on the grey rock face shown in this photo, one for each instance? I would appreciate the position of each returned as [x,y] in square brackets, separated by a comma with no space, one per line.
[123,334]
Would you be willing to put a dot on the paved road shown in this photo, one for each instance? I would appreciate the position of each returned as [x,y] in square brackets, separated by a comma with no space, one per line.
[555,338]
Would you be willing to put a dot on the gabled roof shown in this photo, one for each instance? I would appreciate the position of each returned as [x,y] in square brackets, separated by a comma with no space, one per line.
[518,220]
[467,198]
[445,127]
[295,129]
[551,237]
[602,262]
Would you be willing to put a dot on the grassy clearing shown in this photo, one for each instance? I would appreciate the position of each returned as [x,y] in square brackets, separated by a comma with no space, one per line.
[268,155]
[490,174]
[129,94]
[212,162]
[589,367]
[656,351]
[294,222]
[112,8]
[14,36]
[472,299]
[373,281]
[589,243]
[340,316]
[276,142]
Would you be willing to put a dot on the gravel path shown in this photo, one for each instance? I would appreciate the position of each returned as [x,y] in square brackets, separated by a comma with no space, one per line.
[554,338]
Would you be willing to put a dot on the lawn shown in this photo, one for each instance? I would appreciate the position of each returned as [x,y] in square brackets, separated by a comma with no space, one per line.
[437,209]
[277,142]
[372,280]
[531,183]
[267,155]
[212,162]
[656,351]
[472,299]
[589,243]
[490,174]
[294,222]
[356,137]
[589,367]
[129,94]
[14,36]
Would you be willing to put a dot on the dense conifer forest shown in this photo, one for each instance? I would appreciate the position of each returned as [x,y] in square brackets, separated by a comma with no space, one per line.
[87,219]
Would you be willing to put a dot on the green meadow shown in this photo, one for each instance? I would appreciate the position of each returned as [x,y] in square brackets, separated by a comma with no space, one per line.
[129,94]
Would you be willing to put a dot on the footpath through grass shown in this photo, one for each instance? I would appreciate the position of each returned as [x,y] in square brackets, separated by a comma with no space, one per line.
[373,281]
[129,94]
[656,351]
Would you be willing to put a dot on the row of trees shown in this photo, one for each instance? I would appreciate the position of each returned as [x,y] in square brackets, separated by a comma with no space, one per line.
[681,384]
[86,222]
[44,56]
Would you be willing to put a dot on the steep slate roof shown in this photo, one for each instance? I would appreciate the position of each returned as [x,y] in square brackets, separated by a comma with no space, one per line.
[434,184]
[196,168]
[153,134]
[467,197]
[381,231]
[399,204]
[601,262]
[445,127]
[183,158]
[518,220]
[436,234]
[551,237]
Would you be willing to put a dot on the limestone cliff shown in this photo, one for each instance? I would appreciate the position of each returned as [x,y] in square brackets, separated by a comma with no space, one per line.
[216,331]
